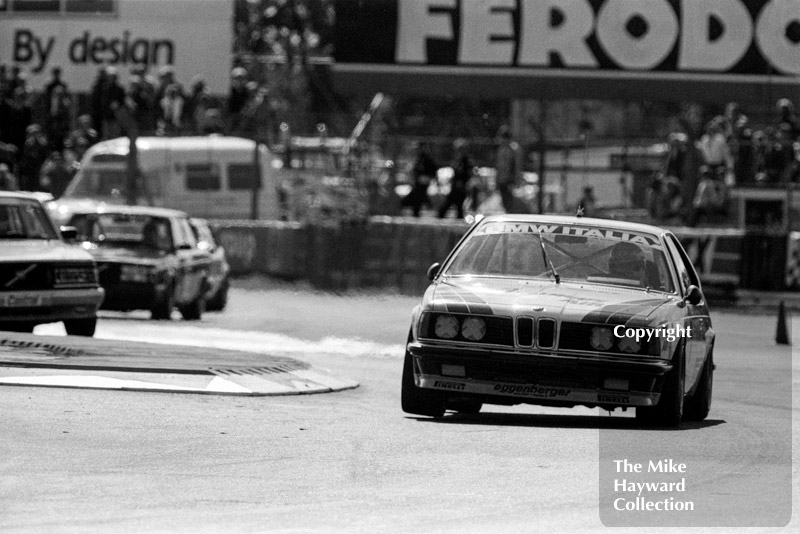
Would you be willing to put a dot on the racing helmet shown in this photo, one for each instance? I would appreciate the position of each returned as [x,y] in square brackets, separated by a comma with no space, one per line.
[626,261]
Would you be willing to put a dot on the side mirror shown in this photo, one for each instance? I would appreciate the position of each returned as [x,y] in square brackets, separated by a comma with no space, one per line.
[69,233]
[433,270]
[693,295]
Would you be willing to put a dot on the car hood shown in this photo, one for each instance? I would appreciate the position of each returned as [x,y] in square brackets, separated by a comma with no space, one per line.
[137,255]
[33,250]
[567,301]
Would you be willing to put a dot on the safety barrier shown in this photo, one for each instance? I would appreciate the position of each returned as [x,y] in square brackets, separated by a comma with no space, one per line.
[386,252]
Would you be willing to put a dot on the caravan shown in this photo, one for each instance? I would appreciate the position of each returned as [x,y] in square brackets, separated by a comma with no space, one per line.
[212,177]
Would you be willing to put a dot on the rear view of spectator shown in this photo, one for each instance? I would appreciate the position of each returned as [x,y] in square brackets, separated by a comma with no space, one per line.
[111,100]
[59,117]
[81,138]
[55,175]
[142,95]
[8,182]
[462,172]
[507,167]
[33,156]
[171,104]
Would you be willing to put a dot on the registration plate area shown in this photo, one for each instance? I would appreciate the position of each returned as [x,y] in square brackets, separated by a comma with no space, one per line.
[533,392]
[23,301]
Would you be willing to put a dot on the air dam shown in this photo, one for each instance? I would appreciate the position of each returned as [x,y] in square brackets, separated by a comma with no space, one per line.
[74,362]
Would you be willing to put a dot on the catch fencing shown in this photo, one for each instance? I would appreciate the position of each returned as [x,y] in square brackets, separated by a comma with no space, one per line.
[395,253]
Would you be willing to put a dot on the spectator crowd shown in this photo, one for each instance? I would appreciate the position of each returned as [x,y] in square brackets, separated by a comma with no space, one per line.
[698,174]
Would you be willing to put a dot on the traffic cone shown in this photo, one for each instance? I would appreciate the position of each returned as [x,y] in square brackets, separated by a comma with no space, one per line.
[782,333]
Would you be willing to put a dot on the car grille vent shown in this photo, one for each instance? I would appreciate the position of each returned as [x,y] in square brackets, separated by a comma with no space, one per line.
[525,331]
[25,276]
[547,333]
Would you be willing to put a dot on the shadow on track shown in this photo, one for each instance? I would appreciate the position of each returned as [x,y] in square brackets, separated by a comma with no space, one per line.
[561,421]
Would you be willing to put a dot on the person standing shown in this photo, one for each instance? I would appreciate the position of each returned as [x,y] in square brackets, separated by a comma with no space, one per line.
[8,182]
[422,172]
[506,167]
[463,170]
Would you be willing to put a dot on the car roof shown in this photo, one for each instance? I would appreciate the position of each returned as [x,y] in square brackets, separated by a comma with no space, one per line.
[578,221]
[129,210]
[120,145]
[18,194]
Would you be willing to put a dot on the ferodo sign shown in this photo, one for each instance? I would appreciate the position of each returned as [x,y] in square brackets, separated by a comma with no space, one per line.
[194,36]
[735,39]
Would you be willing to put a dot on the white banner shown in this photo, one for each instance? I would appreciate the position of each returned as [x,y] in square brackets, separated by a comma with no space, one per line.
[195,36]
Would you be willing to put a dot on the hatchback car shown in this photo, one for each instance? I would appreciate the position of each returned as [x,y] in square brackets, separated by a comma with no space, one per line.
[562,311]
[42,278]
[147,258]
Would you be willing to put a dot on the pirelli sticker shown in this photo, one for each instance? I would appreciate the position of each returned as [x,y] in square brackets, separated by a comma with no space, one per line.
[578,231]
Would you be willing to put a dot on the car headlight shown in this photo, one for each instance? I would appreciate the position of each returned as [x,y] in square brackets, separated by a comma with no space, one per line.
[474,328]
[134,273]
[446,327]
[601,338]
[629,345]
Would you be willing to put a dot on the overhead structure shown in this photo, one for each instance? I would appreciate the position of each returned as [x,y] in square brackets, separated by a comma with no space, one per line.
[715,50]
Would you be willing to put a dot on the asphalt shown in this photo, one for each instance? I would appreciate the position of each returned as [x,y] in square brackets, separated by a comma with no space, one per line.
[58,361]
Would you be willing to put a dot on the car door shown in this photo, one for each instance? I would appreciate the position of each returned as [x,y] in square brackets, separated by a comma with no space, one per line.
[697,318]
[192,262]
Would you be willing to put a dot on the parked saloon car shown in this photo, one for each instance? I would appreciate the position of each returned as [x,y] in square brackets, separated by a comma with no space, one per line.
[218,268]
[147,258]
[43,279]
[562,311]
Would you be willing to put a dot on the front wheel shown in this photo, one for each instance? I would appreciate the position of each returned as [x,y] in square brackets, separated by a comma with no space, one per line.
[162,308]
[669,411]
[81,327]
[416,400]
[698,406]
[220,298]
[194,310]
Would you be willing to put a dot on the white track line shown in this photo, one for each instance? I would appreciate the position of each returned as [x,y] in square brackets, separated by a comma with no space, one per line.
[220,338]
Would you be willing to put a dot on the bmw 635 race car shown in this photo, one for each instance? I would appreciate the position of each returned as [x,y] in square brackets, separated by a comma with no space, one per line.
[562,311]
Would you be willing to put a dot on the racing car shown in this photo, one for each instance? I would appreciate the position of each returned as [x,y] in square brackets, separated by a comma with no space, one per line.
[562,311]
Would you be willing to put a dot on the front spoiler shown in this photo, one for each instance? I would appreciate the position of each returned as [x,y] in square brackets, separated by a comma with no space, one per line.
[535,393]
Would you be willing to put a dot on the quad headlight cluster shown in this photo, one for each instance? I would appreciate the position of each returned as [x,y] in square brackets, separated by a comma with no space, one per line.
[449,327]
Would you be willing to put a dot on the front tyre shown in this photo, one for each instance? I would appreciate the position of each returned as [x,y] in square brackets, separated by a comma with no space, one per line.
[698,406]
[81,327]
[669,411]
[416,400]
[162,308]
[194,310]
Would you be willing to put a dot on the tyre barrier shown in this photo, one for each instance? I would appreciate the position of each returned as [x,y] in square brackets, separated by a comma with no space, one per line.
[395,253]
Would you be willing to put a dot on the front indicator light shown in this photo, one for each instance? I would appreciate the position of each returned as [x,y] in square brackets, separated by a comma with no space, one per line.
[473,328]
[629,345]
[446,327]
[601,338]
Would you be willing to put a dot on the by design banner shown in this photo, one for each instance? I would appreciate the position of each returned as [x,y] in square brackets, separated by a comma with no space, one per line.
[194,36]
[594,48]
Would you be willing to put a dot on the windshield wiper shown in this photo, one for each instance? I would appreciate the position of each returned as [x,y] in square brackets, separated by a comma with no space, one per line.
[547,261]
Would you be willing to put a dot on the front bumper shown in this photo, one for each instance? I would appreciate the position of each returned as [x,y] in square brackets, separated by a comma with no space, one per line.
[546,378]
[49,306]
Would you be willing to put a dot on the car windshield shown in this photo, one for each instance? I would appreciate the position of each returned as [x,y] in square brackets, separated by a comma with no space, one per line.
[570,253]
[24,219]
[124,229]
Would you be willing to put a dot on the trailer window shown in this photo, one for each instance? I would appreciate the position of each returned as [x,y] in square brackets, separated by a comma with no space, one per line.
[242,176]
[202,177]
